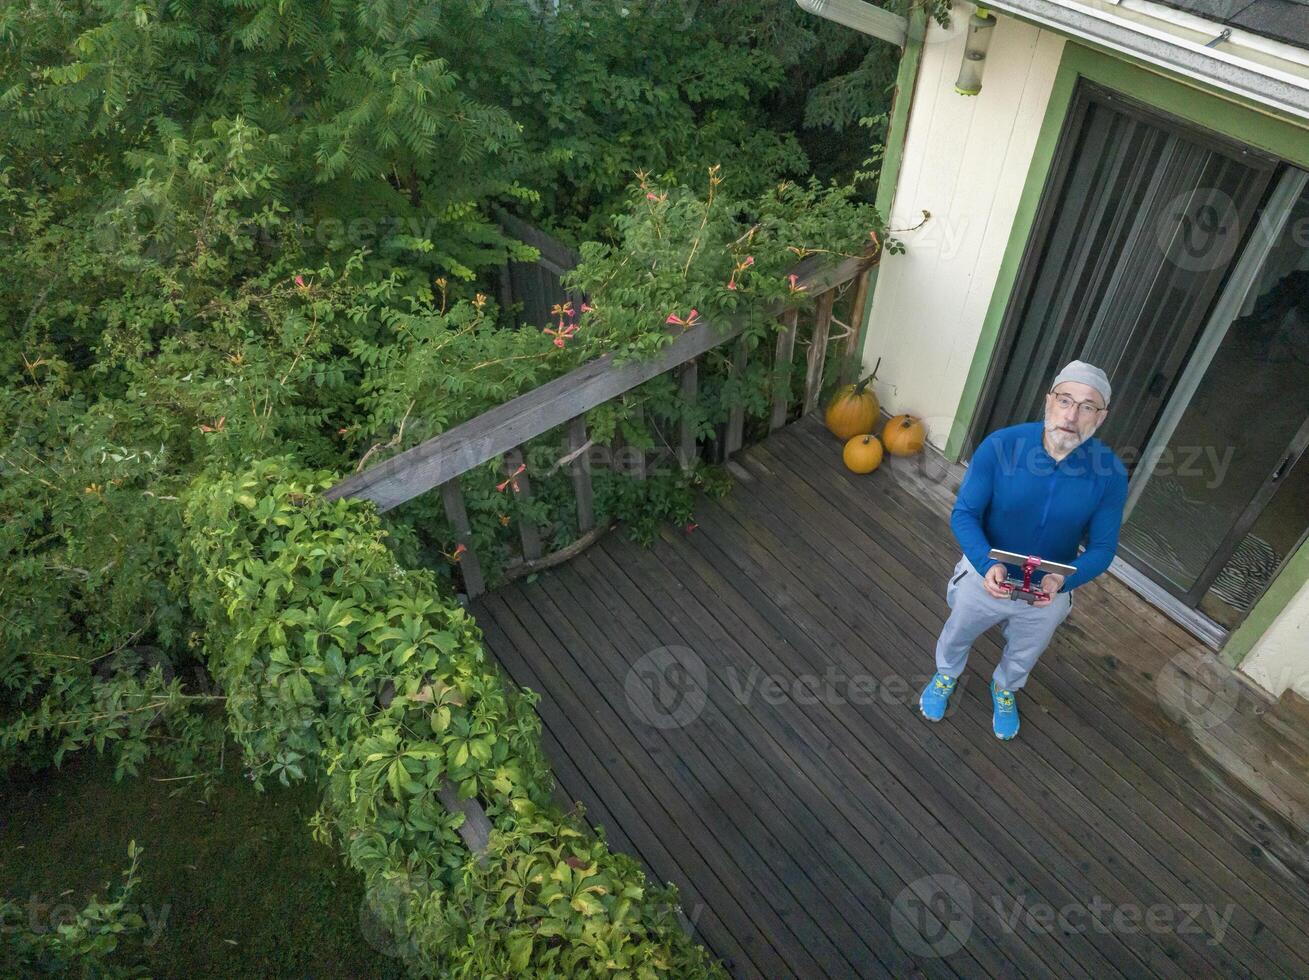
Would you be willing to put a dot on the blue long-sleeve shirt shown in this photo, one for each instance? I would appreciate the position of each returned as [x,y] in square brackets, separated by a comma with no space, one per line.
[1017,498]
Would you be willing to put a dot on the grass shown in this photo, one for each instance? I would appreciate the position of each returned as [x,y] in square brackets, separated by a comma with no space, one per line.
[235,887]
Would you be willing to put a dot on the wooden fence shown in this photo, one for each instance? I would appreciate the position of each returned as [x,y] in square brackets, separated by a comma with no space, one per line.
[536,287]
[439,462]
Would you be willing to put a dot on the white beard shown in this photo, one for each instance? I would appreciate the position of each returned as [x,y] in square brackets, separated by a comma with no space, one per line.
[1061,440]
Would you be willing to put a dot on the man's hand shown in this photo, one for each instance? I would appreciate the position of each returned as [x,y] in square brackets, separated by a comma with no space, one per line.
[995,575]
[1051,582]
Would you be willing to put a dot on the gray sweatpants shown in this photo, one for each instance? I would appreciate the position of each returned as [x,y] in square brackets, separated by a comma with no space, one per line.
[1027,628]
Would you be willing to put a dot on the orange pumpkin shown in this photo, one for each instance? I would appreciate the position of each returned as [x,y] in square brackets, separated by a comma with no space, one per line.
[862,454]
[854,410]
[904,435]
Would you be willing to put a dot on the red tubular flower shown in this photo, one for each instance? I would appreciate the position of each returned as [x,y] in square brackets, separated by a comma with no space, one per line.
[512,479]
[562,334]
[740,267]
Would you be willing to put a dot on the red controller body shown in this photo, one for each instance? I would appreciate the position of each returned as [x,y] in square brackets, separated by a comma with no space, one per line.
[1026,592]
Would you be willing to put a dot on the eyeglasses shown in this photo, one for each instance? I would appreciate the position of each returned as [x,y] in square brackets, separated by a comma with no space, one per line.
[1086,410]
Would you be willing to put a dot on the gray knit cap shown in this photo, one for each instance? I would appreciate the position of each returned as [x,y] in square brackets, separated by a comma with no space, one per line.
[1087,374]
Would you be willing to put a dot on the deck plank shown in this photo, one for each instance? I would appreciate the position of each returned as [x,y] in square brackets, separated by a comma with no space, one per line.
[798,825]
[1053,777]
[655,834]
[1089,712]
[959,797]
[778,897]
[1154,763]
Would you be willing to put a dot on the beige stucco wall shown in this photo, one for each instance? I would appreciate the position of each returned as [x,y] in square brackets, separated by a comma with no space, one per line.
[965,161]
[1280,658]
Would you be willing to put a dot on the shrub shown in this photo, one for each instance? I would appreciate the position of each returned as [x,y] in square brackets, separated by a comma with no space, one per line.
[340,665]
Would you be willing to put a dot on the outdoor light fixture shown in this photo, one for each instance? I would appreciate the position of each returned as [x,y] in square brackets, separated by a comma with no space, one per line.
[863,17]
[980,26]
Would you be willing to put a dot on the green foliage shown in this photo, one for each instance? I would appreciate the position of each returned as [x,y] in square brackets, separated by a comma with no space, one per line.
[675,251]
[332,661]
[244,250]
[339,665]
[82,947]
[552,902]
[310,623]
[359,101]
[597,113]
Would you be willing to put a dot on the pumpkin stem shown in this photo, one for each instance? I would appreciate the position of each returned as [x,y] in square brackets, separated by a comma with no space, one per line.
[859,388]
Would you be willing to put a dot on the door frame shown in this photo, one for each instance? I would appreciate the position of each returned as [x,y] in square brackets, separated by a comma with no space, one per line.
[1204,108]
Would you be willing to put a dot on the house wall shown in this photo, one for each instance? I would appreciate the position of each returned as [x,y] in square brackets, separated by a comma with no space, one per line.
[1279,659]
[965,161]
[977,165]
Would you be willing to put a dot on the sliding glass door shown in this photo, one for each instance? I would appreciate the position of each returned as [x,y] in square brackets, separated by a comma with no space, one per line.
[1140,223]
[1222,495]
[1178,261]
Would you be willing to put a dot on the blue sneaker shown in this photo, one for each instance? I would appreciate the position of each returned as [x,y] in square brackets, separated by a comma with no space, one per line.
[1004,720]
[935,696]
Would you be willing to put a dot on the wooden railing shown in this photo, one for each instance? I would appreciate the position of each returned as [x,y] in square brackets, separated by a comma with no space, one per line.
[501,431]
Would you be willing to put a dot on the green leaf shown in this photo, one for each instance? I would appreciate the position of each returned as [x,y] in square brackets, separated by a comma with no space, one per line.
[520,951]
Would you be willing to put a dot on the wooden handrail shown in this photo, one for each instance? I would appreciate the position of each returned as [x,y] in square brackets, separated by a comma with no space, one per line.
[500,431]
[496,431]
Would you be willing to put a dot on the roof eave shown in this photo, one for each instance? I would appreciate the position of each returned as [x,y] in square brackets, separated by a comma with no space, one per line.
[1165,48]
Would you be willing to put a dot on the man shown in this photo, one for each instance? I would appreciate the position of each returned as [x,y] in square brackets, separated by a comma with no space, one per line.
[1039,488]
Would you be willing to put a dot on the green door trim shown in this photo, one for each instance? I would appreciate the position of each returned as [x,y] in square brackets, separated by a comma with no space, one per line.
[1278,136]
[1280,592]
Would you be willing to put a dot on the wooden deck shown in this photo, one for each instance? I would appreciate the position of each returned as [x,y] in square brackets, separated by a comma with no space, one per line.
[737,707]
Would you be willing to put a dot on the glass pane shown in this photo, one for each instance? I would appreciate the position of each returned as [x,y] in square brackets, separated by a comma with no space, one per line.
[1274,536]
[1238,426]
[1116,281]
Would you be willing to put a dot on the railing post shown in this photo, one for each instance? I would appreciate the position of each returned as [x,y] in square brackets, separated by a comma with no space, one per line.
[850,356]
[736,414]
[581,470]
[813,381]
[527,530]
[476,828]
[686,450]
[455,512]
[782,369]
[638,454]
